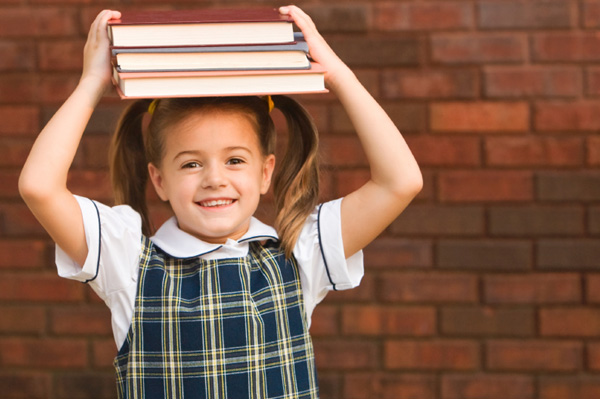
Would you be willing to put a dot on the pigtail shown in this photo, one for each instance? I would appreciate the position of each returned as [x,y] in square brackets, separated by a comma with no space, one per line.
[128,164]
[296,185]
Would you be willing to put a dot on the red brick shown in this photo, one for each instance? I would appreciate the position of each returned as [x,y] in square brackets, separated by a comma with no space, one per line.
[485,185]
[18,88]
[432,15]
[547,288]
[371,320]
[19,120]
[9,184]
[430,84]
[566,46]
[593,220]
[325,321]
[480,117]
[19,254]
[568,254]
[345,355]
[437,220]
[25,385]
[467,48]
[44,22]
[22,319]
[406,116]
[490,255]
[17,56]
[487,321]
[445,151]
[551,356]
[428,287]
[341,17]
[567,117]
[593,356]
[431,355]
[534,151]
[55,89]
[46,352]
[361,51]
[17,221]
[389,386]
[365,292]
[568,186]
[593,151]
[591,13]
[342,151]
[536,220]
[104,352]
[80,321]
[394,253]
[91,184]
[570,322]
[61,56]
[487,386]
[347,181]
[578,386]
[14,152]
[39,287]
[86,385]
[592,288]
[542,81]
[519,14]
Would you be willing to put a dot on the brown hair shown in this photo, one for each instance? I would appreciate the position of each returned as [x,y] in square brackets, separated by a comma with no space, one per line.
[296,181]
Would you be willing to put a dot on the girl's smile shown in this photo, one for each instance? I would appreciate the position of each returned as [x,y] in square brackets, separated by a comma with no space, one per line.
[213,173]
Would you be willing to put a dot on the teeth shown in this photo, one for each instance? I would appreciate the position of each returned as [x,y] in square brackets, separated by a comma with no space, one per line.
[216,203]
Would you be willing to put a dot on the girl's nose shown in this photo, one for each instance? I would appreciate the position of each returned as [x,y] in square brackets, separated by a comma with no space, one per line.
[213,177]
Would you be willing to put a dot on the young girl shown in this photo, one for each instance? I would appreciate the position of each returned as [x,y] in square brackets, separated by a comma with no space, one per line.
[215,303]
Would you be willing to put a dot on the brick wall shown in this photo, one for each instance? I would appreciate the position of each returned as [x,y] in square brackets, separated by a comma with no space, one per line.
[487,287]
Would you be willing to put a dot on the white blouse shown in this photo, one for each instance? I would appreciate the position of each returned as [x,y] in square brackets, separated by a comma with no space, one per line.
[114,240]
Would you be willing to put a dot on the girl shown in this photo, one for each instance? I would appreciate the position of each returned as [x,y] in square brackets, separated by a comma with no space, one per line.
[215,303]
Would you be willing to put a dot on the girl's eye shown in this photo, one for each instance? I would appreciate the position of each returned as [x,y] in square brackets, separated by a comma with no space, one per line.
[235,161]
[191,165]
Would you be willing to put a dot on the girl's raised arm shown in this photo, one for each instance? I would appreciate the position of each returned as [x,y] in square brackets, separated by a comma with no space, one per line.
[43,180]
[395,176]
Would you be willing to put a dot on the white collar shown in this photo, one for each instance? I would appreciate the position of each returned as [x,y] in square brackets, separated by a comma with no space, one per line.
[179,244]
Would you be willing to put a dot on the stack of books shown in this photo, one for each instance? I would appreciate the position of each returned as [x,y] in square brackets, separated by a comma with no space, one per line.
[210,53]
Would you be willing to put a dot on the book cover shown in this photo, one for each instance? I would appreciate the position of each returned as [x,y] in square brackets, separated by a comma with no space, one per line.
[267,56]
[206,15]
[219,83]
[200,27]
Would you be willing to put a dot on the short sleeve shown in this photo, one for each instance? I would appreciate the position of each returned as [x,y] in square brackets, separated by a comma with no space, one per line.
[321,259]
[113,237]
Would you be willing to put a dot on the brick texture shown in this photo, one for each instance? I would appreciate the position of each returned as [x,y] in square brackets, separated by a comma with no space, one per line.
[487,287]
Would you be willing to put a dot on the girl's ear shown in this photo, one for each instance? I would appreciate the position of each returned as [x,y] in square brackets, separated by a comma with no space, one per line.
[267,173]
[157,181]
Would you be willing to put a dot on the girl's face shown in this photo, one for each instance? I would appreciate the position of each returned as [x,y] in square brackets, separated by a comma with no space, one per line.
[213,173]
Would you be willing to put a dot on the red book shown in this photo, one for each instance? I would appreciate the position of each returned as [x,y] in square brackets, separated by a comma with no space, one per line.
[201,27]
[219,83]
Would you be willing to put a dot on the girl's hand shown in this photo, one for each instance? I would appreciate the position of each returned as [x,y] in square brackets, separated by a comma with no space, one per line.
[318,47]
[96,54]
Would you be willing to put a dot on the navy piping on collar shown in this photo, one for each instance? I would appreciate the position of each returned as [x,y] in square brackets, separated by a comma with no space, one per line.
[321,247]
[99,245]
[189,257]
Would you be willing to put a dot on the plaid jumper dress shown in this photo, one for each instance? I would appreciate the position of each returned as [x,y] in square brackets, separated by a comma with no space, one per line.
[229,328]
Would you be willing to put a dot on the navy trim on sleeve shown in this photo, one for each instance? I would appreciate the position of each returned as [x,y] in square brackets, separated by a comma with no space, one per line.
[321,247]
[99,244]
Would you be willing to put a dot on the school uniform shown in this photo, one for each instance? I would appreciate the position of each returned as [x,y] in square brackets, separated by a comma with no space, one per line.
[194,319]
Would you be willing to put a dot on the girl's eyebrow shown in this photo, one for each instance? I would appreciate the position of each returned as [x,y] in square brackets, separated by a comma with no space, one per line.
[226,149]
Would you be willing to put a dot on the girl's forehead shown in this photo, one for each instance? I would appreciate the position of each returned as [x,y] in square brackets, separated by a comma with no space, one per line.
[212,128]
